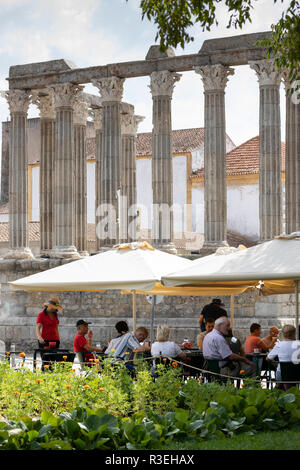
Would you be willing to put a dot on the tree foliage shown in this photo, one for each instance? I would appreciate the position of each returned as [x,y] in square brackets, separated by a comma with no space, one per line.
[174,18]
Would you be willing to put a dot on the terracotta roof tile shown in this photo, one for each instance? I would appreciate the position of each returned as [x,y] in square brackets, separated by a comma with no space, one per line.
[184,140]
[244,159]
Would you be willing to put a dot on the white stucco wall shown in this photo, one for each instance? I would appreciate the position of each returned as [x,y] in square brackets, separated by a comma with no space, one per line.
[179,192]
[91,192]
[198,158]
[35,201]
[144,191]
[198,209]
[243,210]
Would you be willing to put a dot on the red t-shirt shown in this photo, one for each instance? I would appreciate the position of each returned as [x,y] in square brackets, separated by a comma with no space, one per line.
[251,343]
[78,346]
[49,330]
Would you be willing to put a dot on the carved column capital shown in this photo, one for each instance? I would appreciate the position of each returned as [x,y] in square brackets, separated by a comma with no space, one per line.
[97,115]
[110,88]
[163,83]
[267,72]
[215,77]
[65,94]
[18,100]
[45,103]
[129,123]
[81,111]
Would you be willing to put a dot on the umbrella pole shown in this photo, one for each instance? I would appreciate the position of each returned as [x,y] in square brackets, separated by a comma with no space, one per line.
[297,307]
[152,318]
[232,312]
[134,309]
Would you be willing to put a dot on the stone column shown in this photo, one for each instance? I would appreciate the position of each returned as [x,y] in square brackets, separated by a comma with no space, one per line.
[80,118]
[270,187]
[214,78]
[111,90]
[128,208]
[18,101]
[161,86]
[292,158]
[45,103]
[64,173]
[98,119]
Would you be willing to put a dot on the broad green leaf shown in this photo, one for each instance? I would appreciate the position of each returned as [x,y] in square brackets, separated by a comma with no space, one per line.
[44,430]
[32,435]
[57,445]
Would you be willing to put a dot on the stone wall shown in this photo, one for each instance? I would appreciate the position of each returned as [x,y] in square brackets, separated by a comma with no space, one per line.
[18,310]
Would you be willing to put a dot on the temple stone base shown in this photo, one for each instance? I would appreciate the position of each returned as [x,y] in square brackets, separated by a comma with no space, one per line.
[65,252]
[168,248]
[209,248]
[20,253]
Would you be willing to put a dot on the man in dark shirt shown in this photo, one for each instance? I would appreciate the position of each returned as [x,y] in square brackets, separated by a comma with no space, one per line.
[213,310]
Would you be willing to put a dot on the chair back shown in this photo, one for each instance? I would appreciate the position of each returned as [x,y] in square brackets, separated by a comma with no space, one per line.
[212,365]
[290,371]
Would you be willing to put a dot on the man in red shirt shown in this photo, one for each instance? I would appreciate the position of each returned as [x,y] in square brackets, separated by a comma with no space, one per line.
[255,342]
[83,345]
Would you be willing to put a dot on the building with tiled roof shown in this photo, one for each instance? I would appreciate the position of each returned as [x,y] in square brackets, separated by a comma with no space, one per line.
[188,184]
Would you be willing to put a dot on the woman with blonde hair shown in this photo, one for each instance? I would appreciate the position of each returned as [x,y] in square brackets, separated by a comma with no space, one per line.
[163,347]
[286,350]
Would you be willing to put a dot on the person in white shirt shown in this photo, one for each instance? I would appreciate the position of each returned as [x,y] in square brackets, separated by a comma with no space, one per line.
[163,347]
[286,349]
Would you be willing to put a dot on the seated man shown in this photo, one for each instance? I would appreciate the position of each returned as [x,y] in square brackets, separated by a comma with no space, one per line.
[81,344]
[234,343]
[122,348]
[273,333]
[216,347]
[255,342]
[121,329]
[209,326]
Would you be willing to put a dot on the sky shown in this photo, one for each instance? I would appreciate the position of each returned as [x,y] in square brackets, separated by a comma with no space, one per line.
[99,32]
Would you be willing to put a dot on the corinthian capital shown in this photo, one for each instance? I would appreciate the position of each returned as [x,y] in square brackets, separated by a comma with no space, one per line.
[45,103]
[81,111]
[110,88]
[215,77]
[18,100]
[65,94]
[129,123]
[163,83]
[267,72]
[97,115]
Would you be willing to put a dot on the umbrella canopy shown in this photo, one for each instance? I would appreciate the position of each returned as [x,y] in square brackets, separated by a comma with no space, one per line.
[276,262]
[134,266]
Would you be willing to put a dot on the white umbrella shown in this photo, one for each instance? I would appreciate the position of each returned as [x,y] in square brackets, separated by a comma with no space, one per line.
[134,266]
[276,262]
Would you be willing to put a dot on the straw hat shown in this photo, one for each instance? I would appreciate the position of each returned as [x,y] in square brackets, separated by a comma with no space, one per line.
[53,303]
